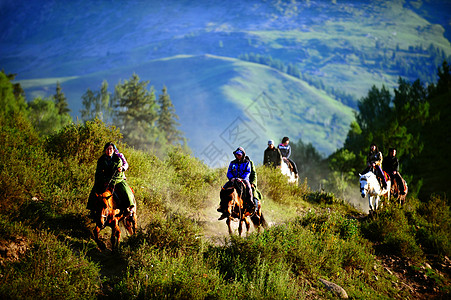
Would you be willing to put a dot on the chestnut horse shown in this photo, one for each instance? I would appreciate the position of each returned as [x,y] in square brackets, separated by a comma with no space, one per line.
[232,202]
[107,214]
[396,192]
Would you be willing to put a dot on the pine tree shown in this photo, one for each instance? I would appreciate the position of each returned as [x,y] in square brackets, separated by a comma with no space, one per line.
[137,113]
[167,118]
[60,100]
[12,98]
[98,105]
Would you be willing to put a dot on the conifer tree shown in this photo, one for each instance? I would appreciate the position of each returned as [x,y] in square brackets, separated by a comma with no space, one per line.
[137,113]
[98,105]
[60,100]
[167,118]
[12,98]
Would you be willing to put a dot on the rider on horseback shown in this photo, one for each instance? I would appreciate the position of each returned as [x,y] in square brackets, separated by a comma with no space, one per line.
[272,156]
[285,150]
[240,168]
[374,162]
[110,172]
[391,166]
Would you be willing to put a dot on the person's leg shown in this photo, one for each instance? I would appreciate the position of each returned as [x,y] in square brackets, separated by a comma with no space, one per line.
[91,198]
[382,177]
[295,168]
[249,193]
[221,208]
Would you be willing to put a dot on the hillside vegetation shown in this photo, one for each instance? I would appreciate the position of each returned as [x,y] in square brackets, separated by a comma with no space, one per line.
[339,48]
[180,249]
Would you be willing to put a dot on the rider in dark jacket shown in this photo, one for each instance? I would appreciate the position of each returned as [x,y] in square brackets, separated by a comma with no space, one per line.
[374,162]
[110,172]
[272,156]
[391,166]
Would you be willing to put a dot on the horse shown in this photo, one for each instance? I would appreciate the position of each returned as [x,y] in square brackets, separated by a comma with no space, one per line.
[287,169]
[396,193]
[370,187]
[232,202]
[107,214]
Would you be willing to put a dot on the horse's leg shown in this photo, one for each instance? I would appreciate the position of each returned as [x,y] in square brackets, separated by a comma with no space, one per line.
[370,202]
[377,202]
[99,243]
[115,235]
[240,227]
[248,225]
[228,225]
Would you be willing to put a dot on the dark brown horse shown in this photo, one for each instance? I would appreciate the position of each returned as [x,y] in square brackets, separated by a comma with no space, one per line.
[396,191]
[233,204]
[107,214]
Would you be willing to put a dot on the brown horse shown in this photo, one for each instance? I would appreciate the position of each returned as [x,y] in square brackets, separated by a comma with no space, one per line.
[232,202]
[396,192]
[107,214]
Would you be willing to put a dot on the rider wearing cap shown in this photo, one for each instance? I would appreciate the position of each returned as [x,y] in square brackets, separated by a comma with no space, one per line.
[272,156]
[240,167]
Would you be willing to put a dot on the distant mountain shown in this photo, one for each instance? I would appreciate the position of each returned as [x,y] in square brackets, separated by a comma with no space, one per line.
[223,61]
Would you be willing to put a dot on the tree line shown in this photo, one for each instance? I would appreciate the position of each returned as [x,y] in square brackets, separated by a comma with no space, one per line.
[146,122]
[416,120]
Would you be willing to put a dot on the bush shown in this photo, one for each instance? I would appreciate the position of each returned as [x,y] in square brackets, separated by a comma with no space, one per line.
[391,229]
[82,142]
[434,226]
[49,270]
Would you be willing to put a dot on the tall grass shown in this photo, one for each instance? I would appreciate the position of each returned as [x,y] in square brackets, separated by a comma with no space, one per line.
[44,192]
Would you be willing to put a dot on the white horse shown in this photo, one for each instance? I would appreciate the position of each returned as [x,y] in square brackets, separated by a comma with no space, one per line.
[370,187]
[285,169]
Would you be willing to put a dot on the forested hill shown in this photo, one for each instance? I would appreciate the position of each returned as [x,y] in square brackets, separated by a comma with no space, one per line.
[223,61]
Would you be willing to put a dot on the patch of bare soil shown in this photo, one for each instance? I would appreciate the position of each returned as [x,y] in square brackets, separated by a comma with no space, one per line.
[421,282]
[13,250]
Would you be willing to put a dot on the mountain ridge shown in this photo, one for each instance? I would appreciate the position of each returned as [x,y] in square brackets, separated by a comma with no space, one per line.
[335,47]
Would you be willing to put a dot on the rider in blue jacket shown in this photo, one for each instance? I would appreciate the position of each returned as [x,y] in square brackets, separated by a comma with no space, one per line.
[240,167]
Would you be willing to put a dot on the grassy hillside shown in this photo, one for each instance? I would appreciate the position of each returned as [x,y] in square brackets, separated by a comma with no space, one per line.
[214,94]
[336,46]
[181,251]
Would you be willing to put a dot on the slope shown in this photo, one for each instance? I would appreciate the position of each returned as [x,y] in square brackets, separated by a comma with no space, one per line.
[224,103]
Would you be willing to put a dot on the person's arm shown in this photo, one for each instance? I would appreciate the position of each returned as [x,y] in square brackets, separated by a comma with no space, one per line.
[279,158]
[124,162]
[246,171]
[288,151]
[229,172]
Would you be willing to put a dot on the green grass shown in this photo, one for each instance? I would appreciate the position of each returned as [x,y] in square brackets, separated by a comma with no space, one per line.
[313,235]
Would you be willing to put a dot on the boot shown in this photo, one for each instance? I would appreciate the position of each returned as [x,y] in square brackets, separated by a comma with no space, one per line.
[223,216]
[256,205]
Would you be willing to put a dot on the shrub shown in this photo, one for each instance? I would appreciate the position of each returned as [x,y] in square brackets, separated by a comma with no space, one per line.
[82,142]
[154,274]
[49,270]
[174,234]
[394,234]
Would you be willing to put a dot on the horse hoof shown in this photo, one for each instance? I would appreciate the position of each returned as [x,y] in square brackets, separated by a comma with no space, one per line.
[223,216]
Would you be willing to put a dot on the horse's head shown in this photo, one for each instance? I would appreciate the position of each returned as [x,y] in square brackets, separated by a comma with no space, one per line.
[363,185]
[104,206]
